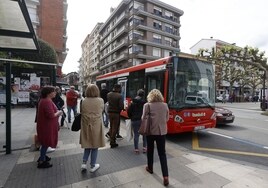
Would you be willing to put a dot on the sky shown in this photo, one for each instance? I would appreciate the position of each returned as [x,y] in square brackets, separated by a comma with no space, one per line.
[243,22]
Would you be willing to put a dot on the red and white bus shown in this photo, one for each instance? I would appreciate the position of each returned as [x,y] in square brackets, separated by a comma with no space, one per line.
[186,82]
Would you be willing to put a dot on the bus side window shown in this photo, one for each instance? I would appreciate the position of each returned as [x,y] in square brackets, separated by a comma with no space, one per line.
[155,81]
[135,82]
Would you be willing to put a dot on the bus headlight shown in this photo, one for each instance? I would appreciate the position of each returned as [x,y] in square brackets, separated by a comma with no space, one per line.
[178,119]
[213,116]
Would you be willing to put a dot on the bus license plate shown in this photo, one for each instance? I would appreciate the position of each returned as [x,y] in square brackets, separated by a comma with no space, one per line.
[229,118]
[199,128]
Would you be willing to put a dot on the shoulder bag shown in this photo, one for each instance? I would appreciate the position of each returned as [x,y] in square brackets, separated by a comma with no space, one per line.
[146,123]
[76,126]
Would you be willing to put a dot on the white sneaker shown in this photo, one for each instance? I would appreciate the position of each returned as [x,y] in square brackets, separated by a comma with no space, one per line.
[49,149]
[83,167]
[96,167]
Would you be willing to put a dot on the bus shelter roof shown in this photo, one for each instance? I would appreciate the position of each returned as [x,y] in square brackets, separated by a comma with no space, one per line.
[16,29]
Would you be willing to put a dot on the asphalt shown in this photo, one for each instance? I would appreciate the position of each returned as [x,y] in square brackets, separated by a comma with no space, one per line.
[119,167]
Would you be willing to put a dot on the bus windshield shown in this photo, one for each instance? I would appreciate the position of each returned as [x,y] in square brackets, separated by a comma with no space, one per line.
[191,84]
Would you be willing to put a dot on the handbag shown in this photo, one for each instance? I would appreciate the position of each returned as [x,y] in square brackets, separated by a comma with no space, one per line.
[129,130]
[76,126]
[146,123]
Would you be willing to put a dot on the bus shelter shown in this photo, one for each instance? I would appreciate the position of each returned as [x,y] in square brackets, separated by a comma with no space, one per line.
[16,34]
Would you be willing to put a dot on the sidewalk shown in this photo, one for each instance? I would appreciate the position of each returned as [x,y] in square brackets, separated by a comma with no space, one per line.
[119,167]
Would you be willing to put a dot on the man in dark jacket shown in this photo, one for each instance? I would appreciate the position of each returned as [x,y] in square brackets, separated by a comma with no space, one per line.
[134,112]
[116,105]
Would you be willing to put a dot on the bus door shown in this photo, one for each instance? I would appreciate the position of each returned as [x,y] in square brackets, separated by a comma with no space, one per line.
[155,81]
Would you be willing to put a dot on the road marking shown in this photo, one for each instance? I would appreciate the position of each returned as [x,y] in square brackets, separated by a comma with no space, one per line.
[195,146]
[239,140]
[220,134]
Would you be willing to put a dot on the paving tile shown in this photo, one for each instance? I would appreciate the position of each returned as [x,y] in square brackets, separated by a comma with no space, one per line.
[204,166]
[233,171]
[206,180]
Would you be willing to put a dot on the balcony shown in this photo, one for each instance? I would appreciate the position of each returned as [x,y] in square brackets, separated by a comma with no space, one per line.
[123,56]
[158,31]
[141,55]
[159,45]
[141,11]
[120,19]
[121,31]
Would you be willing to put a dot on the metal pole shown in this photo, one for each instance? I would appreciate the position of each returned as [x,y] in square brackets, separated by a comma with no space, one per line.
[263,96]
[8,108]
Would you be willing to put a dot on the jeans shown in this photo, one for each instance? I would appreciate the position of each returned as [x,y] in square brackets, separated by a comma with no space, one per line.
[161,149]
[43,152]
[136,126]
[93,157]
[69,108]
[62,118]
[105,117]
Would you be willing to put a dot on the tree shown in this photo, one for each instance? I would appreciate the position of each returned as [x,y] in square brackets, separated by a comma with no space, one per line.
[237,64]
[46,54]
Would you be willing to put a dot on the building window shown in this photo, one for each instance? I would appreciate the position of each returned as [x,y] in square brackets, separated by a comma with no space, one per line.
[135,35]
[157,11]
[168,14]
[157,25]
[168,28]
[135,49]
[168,41]
[156,52]
[136,62]
[157,38]
[167,53]
[138,5]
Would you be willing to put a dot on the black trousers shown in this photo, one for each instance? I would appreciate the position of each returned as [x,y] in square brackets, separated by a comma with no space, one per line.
[161,149]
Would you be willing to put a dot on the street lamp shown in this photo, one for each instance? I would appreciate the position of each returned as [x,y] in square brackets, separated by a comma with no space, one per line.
[263,100]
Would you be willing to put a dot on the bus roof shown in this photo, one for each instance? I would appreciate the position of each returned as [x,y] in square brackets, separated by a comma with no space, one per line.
[148,64]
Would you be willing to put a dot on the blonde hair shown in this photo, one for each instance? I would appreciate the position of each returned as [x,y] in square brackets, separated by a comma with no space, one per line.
[92,91]
[155,96]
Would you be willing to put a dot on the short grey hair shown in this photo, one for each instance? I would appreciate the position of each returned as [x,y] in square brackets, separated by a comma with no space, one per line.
[103,85]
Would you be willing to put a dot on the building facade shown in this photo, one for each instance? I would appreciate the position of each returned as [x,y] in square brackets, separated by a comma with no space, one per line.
[50,22]
[136,31]
[90,56]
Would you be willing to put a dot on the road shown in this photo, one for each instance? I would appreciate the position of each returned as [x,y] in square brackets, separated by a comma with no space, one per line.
[245,140]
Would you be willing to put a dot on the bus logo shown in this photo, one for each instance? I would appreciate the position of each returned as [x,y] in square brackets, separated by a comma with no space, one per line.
[200,114]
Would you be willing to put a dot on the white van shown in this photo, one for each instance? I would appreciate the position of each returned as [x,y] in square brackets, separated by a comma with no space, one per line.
[192,99]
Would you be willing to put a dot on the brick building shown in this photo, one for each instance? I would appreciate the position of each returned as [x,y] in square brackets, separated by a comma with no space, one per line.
[50,22]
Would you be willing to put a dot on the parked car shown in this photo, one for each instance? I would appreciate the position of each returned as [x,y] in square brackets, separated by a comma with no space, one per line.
[224,115]
[219,98]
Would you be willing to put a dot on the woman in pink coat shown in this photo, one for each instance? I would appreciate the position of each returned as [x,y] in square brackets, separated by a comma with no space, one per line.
[159,114]
[47,125]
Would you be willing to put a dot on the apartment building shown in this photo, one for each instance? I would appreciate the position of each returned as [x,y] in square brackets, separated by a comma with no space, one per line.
[50,22]
[138,31]
[90,56]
